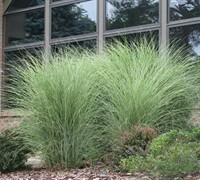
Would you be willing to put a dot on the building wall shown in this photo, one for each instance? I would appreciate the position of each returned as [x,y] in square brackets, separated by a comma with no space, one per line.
[1,44]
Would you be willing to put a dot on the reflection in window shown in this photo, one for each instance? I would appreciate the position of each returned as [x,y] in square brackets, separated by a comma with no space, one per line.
[150,36]
[187,37]
[184,9]
[79,45]
[20,4]
[13,59]
[121,14]
[25,27]
[74,19]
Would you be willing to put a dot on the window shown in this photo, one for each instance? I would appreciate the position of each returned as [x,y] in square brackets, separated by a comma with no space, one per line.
[25,27]
[13,59]
[121,14]
[184,9]
[74,19]
[81,45]
[188,37]
[129,38]
[20,4]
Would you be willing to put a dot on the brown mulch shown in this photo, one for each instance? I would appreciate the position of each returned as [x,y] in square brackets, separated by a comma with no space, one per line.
[82,174]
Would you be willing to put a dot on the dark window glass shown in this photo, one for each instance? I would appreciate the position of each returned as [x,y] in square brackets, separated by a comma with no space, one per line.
[13,59]
[74,19]
[20,4]
[80,45]
[187,37]
[25,27]
[150,36]
[184,9]
[121,14]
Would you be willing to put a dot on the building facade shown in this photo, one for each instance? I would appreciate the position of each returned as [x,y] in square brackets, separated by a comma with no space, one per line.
[30,25]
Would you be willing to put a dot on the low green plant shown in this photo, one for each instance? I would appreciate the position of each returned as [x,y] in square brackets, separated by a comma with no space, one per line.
[133,164]
[178,160]
[133,142]
[171,154]
[137,140]
[13,150]
[166,140]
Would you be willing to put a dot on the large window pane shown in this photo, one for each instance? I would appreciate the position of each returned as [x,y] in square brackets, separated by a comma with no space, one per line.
[150,36]
[74,19]
[184,9]
[25,27]
[20,4]
[79,45]
[13,59]
[188,37]
[121,14]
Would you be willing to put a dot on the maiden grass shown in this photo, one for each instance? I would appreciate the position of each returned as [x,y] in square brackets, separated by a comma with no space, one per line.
[80,103]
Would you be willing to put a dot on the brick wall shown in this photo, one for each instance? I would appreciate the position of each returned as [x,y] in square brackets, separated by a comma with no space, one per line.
[9,122]
[8,119]
[1,52]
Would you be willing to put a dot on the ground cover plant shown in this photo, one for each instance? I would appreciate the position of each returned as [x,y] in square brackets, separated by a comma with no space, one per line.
[171,154]
[80,104]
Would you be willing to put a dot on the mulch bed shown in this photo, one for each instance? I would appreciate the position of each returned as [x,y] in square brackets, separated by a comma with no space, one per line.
[82,174]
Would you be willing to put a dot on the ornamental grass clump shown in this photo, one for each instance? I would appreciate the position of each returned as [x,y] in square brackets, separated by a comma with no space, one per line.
[144,85]
[79,104]
[59,98]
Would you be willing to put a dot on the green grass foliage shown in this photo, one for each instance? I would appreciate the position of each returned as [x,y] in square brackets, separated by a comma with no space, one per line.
[80,103]
[13,150]
[145,86]
[61,111]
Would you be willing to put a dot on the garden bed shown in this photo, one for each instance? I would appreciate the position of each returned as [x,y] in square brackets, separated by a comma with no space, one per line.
[97,173]
[129,109]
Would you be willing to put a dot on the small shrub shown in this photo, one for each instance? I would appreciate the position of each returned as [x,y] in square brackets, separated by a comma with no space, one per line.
[133,164]
[13,151]
[177,160]
[166,140]
[138,139]
[170,154]
[133,142]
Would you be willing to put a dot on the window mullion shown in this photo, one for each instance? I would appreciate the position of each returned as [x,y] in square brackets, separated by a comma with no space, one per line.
[47,27]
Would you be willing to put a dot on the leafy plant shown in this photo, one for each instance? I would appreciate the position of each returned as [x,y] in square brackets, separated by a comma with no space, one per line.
[138,139]
[13,150]
[166,140]
[133,164]
[178,159]
[171,154]
[133,142]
